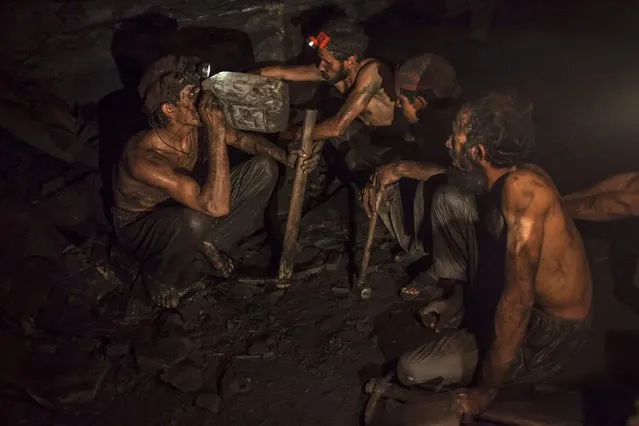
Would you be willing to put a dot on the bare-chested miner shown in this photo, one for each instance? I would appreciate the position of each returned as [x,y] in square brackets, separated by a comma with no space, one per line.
[366,83]
[178,227]
[502,235]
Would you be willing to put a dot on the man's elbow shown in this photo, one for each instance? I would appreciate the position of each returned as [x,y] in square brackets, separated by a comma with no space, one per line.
[217,210]
[337,129]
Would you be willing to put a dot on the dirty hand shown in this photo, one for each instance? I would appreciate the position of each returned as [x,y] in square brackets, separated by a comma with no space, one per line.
[309,160]
[382,177]
[474,401]
[210,110]
[438,315]
[385,175]
[409,109]
[368,199]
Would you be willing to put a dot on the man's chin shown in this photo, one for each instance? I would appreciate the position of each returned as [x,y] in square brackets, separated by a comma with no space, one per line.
[334,80]
[470,182]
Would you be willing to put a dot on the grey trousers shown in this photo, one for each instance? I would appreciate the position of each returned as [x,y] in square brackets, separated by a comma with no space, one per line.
[169,240]
[550,342]
[453,357]
[393,217]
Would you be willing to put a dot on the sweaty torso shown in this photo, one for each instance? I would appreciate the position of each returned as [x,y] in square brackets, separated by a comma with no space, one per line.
[563,285]
[135,195]
[380,110]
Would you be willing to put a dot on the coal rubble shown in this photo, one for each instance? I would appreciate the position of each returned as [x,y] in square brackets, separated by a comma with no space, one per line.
[82,340]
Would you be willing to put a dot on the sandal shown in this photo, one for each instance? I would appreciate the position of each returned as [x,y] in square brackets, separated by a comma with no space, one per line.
[423,288]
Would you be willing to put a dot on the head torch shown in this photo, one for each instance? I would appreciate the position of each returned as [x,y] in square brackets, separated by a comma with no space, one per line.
[321,40]
[204,70]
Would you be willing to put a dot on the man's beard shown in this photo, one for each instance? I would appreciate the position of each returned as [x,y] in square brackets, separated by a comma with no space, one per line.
[340,76]
[472,180]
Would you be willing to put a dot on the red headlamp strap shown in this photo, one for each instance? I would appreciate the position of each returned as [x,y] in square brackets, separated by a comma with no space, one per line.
[320,41]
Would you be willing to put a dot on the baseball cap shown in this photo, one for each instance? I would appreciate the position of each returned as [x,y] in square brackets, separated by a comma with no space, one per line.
[428,72]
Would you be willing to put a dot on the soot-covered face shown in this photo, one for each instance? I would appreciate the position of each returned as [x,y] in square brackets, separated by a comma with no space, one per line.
[466,173]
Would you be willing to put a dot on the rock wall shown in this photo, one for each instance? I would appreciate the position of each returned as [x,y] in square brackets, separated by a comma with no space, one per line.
[69,44]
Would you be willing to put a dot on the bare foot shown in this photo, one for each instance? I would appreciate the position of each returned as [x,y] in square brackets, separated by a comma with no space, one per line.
[222,263]
[162,295]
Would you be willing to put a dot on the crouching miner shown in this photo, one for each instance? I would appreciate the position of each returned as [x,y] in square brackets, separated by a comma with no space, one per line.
[500,233]
[178,227]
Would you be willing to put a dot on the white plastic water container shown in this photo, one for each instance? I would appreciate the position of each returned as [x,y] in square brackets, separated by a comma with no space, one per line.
[251,102]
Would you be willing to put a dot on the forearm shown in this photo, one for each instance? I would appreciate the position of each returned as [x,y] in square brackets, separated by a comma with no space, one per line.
[254,144]
[291,73]
[216,191]
[418,170]
[272,71]
[511,321]
[503,351]
[626,182]
[323,130]
[603,207]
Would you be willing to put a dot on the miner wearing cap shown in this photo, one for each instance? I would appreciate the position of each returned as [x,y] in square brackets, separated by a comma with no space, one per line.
[179,227]
[366,83]
[425,82]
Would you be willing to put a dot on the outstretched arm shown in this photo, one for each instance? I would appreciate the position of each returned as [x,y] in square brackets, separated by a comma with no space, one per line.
[416,170]
[603,207]
[526,202]
[367,85]
[616,197]
[388,174]
[291,73]
[254,144]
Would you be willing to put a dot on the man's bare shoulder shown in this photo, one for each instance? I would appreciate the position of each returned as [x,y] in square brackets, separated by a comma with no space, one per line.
[141,151]
[370,70]
[526,186]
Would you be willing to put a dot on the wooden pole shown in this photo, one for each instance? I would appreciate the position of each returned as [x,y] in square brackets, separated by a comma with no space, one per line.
[366,291]
[289,248]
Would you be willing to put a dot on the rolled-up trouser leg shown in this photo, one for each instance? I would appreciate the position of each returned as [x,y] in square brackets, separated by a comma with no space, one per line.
[392,215]
[454,217]
[452,359]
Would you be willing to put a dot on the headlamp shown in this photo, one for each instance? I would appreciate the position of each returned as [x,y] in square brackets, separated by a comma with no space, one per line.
[204,70]
[321,40]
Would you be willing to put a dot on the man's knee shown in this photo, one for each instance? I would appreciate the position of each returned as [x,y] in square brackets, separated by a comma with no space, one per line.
[450,359]
[266,171]
[194,224]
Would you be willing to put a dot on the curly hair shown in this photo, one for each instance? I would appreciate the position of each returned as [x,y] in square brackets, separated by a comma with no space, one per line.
[503,125]
[347,38]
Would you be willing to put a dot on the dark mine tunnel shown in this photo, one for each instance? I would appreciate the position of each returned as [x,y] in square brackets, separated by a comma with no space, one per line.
[183,244]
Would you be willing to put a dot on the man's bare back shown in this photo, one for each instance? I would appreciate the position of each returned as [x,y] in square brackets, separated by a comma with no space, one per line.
[563,286]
